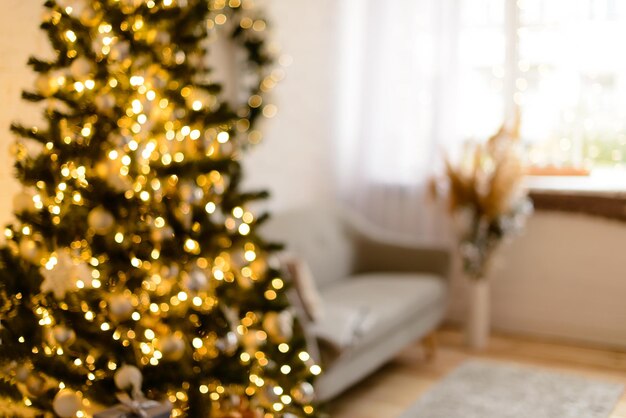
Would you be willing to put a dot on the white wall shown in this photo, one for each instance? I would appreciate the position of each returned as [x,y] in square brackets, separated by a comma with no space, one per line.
[565,278]
[295,159]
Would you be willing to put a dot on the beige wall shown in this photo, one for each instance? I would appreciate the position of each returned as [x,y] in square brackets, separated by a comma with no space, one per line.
[296,159]
[565,277]
[19,38]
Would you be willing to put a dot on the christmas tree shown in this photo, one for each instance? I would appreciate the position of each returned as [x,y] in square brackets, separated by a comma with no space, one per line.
[134,262]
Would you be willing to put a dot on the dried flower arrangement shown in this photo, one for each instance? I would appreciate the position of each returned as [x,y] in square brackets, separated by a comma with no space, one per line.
[486,196]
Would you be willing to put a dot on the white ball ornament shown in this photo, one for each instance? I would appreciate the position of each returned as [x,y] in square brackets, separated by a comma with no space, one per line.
[173,347]
[128,377]
[120,307]
[35,384]
[67,403]
[196,280]
[100,220]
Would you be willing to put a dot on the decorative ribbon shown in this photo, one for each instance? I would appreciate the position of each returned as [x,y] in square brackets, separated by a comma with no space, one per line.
[137,406]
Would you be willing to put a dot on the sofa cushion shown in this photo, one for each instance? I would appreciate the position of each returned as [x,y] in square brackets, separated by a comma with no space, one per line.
[304,283]
[386,300]
[338,329]
[319,237]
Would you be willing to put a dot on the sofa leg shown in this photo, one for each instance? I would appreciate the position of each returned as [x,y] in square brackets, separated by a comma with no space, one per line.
[429,345]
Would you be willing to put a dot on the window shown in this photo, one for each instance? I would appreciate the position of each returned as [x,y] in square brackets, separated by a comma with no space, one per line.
[560,62]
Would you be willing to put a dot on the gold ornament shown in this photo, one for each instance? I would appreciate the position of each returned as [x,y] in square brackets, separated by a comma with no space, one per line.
[29,250]
[100,220]
[22,373]
[63,335]
[35,384]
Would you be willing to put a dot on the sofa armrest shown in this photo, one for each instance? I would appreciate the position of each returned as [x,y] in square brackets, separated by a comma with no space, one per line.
[379,255]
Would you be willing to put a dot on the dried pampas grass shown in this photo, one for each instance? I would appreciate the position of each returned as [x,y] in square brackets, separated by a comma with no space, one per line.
[490,177]
[485,193]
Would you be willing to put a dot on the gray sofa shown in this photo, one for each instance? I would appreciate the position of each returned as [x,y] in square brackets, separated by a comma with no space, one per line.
[378,295]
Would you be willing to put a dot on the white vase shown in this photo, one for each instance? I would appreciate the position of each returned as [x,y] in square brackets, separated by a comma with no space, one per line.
[478,315]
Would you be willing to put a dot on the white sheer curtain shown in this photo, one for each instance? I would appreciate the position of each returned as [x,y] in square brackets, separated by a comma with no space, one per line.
[396,112]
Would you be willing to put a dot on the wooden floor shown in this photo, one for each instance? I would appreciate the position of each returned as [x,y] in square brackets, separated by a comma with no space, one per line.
[391,390]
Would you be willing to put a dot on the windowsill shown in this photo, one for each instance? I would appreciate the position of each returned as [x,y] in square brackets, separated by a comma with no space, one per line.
[602,194]
[607,183]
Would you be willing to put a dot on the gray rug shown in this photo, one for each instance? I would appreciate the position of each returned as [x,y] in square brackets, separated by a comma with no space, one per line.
[482,389]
